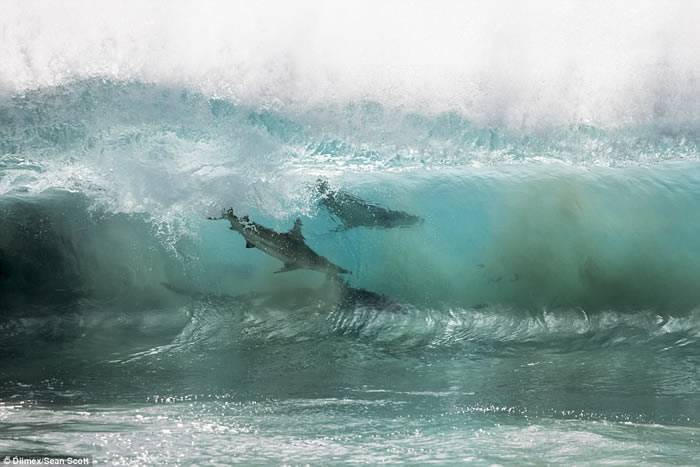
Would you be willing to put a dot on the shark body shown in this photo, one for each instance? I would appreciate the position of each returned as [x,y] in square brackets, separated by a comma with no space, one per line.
[289,247]
[353,211]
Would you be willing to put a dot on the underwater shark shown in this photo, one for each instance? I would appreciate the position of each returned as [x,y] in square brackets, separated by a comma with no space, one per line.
[335,294]
[353,211]
[289,247]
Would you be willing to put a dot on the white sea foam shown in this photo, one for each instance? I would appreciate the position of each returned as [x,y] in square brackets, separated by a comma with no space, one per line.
[509,63]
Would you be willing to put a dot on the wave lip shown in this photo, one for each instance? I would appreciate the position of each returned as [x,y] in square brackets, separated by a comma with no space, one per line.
[610,65]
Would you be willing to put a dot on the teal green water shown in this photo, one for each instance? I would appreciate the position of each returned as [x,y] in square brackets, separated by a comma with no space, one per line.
[546,311]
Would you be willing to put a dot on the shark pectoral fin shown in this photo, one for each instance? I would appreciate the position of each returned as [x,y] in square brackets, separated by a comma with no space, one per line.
[296,230]
[286,268]
[249,245]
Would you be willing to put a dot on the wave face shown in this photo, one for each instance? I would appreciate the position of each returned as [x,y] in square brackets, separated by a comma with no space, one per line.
[138,167]
[545,309]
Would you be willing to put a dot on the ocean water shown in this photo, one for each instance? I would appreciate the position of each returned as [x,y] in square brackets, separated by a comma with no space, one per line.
[546,310]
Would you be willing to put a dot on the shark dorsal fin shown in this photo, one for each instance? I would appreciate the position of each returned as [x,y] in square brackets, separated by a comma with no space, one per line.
[296,230]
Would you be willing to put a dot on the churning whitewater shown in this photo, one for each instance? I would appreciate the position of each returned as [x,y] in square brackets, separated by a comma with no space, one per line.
[486,217]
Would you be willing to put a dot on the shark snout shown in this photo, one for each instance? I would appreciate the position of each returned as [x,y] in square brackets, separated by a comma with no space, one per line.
[228,214]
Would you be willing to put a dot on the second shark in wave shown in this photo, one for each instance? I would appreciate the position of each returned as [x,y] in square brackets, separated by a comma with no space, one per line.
[353,211]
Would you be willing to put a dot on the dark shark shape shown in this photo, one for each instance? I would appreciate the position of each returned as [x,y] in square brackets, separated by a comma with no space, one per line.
[352,297]
[289,247]
[335,294]
[353,211]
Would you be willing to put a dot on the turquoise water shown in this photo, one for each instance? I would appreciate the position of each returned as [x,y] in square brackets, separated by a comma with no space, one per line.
[545,312]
